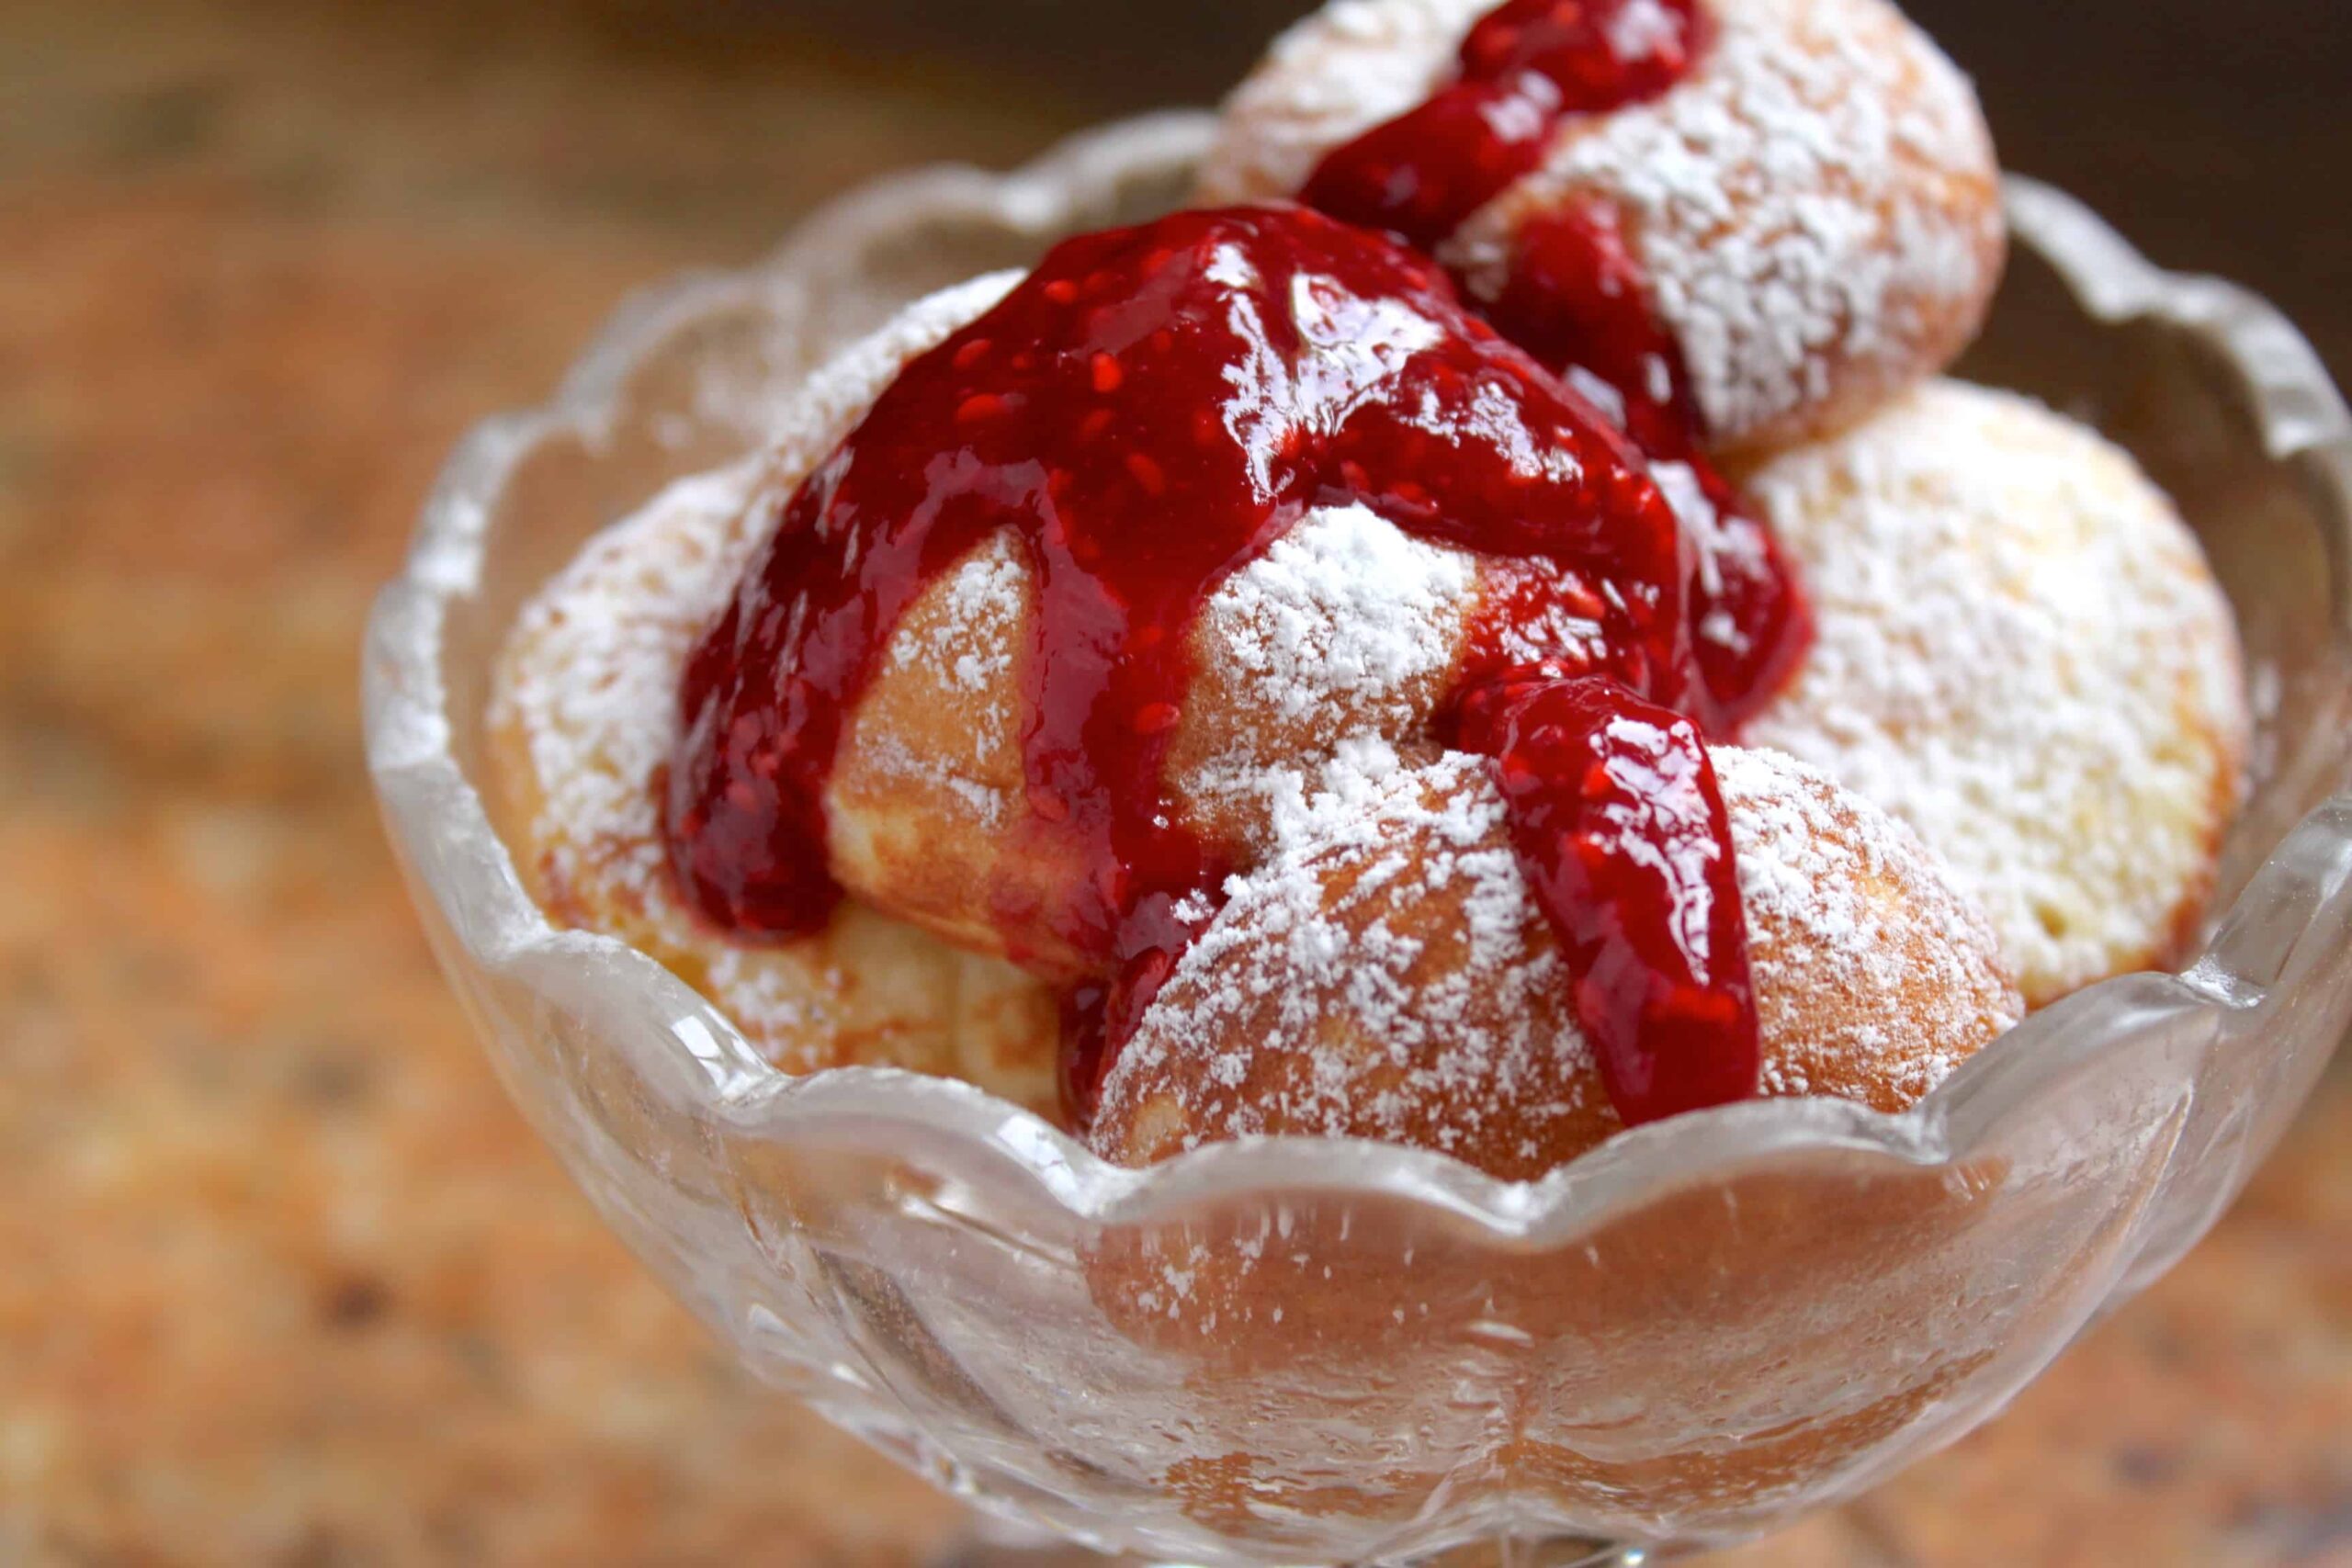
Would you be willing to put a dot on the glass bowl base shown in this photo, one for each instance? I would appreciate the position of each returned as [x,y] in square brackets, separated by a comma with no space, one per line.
[1559,1552]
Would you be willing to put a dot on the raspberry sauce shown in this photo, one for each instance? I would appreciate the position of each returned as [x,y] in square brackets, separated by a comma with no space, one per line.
[1147,413]
[1525,69]
[1575,300]
[1576,297]
[1620,827]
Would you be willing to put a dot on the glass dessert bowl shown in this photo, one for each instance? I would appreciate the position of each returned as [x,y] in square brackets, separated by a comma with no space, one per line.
[1700,1330]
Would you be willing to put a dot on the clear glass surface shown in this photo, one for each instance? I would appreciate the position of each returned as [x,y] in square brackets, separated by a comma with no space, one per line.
[1688,1336]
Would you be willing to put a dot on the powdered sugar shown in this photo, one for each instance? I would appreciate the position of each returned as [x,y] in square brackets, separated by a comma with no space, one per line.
[1640,27]
[590,676]
[1846,908]
[2022,655]
[1346,626]
[1344,603]
[986,590]
[1458,1007]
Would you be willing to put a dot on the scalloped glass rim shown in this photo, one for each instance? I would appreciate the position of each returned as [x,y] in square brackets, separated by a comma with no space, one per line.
[697,1062]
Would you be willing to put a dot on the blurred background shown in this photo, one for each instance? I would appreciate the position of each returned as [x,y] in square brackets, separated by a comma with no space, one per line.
[282,1279]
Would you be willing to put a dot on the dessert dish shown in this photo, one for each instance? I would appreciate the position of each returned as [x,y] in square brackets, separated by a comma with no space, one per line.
[1308,666]
[1310,1350]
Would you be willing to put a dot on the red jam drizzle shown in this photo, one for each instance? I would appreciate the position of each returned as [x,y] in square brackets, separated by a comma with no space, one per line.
[1575,299]
[1577,296]
[1525,68]
[1620,827]
[1144,414]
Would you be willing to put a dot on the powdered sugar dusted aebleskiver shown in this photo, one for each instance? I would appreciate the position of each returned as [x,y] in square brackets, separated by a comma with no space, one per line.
[1815,208]
[2022,654]
[1384,973]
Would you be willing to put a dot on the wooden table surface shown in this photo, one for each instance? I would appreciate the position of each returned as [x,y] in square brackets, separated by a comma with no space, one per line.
[284,1280]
